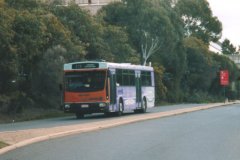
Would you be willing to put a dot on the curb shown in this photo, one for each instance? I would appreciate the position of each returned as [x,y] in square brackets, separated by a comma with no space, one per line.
[110,123]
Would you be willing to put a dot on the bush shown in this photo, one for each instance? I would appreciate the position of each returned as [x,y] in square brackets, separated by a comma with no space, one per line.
[4,103]
[201,97]
[14,103]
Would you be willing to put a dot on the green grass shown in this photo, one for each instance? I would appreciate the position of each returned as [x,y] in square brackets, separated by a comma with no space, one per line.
[32,114]
[2,145]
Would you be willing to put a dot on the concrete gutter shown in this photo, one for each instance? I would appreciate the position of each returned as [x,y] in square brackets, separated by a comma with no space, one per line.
[21,138]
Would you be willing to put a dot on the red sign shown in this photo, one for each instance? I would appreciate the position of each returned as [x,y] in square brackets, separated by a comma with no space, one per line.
[224,78]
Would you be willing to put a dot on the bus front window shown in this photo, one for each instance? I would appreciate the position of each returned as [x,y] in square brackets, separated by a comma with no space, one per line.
[85,81]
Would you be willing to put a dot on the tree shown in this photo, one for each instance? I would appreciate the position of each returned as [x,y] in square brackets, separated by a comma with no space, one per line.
[46,89]
[28,39]
[85,28]
[201,71]
[199,20]
[35,33]
[161,89]
[31,34]
[164,33]
[156,18]
[23,4]
[175,64]
[228,48]
[8,56]
[119,45]
[149,48]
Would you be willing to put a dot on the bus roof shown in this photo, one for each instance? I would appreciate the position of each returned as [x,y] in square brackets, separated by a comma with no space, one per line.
[103,65]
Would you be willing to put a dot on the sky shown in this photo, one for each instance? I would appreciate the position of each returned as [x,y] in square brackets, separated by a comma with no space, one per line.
[228,12]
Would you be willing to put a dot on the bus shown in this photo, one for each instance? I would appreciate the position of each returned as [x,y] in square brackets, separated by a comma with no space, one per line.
[105,87]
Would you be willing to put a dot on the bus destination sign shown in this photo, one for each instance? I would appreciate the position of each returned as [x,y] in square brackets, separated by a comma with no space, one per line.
[85,65]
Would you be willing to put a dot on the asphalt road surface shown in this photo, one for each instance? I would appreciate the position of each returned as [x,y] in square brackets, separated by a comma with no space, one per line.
[70,120]
[212,134]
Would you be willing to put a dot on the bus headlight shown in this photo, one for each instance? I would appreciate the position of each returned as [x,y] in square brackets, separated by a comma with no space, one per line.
[102,104]
[67,106]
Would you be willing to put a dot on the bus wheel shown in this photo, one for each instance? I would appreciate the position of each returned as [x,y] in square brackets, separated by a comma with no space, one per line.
[120,109]
[79,115]
[144,106]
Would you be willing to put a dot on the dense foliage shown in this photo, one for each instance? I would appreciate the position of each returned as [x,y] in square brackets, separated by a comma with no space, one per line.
[38,38]
[228,48]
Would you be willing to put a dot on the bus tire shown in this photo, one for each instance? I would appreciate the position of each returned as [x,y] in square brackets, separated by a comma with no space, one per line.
[144,106]
[79,115]
[120,108]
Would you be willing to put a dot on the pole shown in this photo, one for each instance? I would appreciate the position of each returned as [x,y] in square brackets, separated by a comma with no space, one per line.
[224,93]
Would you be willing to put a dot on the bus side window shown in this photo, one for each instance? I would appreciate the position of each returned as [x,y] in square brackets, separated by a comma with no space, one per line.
[119,77]
[146,78]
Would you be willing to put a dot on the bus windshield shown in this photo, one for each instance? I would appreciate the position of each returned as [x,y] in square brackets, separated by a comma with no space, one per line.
[85,81]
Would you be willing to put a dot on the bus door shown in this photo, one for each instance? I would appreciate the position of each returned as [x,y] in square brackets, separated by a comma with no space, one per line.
[113,90]
[138,89]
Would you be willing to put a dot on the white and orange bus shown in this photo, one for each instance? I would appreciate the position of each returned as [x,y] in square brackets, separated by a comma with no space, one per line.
[104,87]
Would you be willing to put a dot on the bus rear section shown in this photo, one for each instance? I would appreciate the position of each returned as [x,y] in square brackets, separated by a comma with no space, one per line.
[85,92]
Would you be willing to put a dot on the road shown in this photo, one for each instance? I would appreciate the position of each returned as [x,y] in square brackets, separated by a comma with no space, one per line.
[71,120]
[209,134]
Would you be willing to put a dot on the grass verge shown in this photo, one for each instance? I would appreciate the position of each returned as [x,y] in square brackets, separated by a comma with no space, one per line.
[32,114]
[2,145]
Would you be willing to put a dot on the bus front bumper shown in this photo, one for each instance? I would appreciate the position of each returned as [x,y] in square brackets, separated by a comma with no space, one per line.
[86,108]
